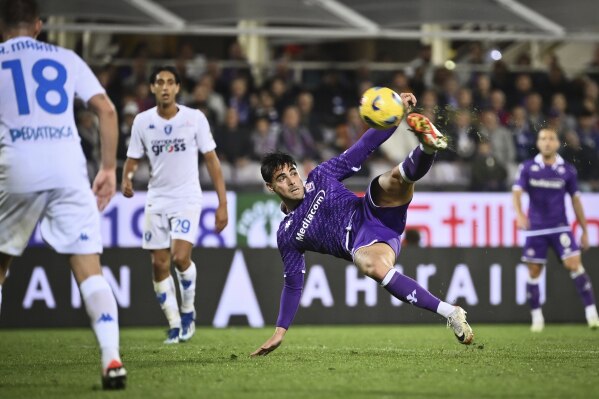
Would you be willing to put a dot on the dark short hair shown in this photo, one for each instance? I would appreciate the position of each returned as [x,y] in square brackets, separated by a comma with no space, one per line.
[167,68]
[273,161]
[16,12]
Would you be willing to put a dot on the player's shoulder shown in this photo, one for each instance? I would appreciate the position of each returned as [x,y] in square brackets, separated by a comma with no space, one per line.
[145,116]
[193,112]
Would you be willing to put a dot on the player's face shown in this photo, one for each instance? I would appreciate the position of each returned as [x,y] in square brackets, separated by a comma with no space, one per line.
[548,143]
[287,183]
[165,88]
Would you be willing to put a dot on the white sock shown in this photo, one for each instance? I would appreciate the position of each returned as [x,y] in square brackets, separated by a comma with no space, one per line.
[167,297]
[537,316]
[187,287]
[103,313]
[591,313]
[445,309]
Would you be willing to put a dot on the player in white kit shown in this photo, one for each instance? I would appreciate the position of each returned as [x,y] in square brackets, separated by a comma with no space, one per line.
[43,174]
[171,135]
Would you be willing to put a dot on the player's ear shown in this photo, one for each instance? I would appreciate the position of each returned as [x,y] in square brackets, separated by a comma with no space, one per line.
[270,187]
[37,28]
[152,89]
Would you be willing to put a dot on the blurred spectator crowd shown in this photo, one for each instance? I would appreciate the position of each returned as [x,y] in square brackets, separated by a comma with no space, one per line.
[491,117]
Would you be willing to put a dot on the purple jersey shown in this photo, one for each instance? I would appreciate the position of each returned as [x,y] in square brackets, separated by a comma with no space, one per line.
[323,220]
[546,186]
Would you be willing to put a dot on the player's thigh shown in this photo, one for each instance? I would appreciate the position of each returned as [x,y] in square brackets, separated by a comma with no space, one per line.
[566,248]
[185,225]
[535,249]
[156,232]
[375,260]
[71,222]
[390,190]
[19,213]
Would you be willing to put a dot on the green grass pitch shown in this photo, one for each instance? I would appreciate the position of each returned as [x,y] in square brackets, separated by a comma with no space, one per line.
[506,361]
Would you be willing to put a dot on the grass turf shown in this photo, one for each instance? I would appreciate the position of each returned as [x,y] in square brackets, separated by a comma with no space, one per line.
[506,361]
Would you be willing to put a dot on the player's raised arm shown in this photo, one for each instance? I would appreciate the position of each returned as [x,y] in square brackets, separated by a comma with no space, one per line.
[290,299]
[104,185]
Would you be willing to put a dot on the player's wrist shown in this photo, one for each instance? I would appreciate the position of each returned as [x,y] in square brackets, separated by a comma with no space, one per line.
[280,331]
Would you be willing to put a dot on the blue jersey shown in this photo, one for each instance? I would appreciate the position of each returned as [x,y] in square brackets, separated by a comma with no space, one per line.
[322,221]
[546,186]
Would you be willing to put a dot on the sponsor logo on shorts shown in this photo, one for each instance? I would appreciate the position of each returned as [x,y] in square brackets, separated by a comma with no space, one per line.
[301,233]
[565,240]
[83,236]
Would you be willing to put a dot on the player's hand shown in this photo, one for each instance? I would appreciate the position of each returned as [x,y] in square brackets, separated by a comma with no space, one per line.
[408,100]
[221,218]
[584,241]
[271,344]
[127,188]
[522,222]
[104,187]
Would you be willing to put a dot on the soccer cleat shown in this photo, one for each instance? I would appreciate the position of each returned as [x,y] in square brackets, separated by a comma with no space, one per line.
[172,336]
[459,325]
[115,376]
[593,323]
[426,132]
[188,326]
[537,326]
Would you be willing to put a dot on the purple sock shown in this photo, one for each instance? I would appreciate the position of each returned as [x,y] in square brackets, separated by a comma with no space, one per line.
[534,295]
[407,290]
[585,289]
[416,165]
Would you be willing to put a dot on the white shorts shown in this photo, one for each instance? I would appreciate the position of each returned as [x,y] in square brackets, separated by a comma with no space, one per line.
[70,221]
[161,228]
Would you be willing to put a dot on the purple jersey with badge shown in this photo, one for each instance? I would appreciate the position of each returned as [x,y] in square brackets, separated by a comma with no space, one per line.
[546,186]
[322,222]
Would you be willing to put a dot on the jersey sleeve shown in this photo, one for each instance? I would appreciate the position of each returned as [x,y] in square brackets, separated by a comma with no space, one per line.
[204,135]
[521,181]
[86,83]
[350,162]
[293,259]
[572,181]
[136,148]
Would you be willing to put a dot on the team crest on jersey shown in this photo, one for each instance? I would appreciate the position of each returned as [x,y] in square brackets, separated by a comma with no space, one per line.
[151,126]
[310,186]
[168,129]
[561,170]
[535,168]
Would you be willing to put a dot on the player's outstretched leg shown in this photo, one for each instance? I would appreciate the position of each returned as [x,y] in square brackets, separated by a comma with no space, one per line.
[187,287]
[430,137]
[407,290]
[534,301]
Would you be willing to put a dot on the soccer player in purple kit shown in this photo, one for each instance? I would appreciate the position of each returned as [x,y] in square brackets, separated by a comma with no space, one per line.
[322,215]
[547,178]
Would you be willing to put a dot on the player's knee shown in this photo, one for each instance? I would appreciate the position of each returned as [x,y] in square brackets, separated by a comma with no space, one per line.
[573,263]
[374,268]
[180,258]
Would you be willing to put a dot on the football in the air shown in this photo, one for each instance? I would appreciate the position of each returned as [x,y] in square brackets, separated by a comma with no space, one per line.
[381,108]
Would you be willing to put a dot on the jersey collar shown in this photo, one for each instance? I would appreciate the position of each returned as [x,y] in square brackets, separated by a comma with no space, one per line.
[558,161]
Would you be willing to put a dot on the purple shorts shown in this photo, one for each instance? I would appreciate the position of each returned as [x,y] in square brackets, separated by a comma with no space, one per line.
[535,247]
[372,223]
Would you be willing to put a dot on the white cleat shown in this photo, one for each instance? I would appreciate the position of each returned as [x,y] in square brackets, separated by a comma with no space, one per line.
[592,317]
[593,323]
[537,327]
[462,330]
[426,132]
